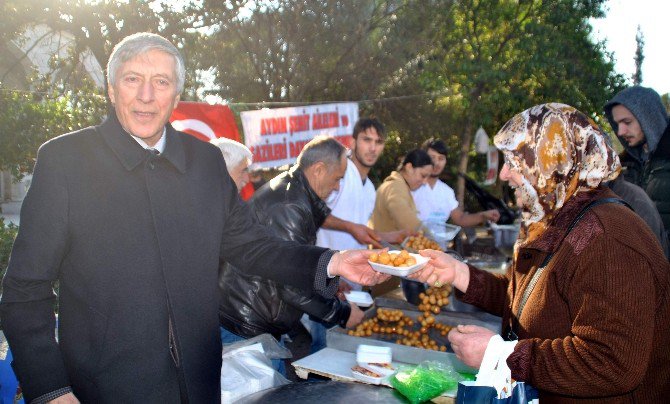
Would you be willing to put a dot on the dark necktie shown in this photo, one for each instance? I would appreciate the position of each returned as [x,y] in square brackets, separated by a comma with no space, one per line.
[151,159]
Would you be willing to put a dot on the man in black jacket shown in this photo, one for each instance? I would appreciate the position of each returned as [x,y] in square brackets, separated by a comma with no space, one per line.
[292,206]
[638,117]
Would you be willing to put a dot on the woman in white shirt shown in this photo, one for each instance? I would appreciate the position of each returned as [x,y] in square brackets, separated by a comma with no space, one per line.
[436,201]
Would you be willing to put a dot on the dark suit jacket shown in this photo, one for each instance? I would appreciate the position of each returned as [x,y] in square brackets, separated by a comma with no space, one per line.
[135,241]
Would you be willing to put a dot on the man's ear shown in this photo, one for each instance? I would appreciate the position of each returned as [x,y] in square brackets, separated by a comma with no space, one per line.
[112,95]
[315,174]
[319,168]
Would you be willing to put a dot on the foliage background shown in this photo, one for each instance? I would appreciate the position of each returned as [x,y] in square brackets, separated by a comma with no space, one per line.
[7,235]
[426,68]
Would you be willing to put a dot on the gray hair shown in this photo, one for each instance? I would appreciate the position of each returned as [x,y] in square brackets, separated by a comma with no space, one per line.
[322,148]
[138,44]
[233,152]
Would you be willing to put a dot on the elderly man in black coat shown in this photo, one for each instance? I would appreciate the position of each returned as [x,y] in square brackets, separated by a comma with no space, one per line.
[132,218]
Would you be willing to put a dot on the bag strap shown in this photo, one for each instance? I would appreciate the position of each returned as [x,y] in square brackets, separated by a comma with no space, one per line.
[540,270]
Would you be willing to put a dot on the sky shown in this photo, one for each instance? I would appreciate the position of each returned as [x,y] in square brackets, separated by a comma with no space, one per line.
[618,29]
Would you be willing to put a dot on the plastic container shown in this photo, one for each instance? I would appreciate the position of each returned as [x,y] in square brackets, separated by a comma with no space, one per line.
[400,271]
[373,354]
[441,232]
[505,235]
[359,298]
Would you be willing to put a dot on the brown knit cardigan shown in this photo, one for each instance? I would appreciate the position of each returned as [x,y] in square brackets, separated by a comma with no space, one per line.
[596,327]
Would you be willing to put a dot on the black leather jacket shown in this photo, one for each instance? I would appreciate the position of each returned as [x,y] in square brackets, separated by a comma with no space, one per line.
[251,305]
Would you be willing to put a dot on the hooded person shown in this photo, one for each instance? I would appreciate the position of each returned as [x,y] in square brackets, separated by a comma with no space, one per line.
[639,118]
[585,303]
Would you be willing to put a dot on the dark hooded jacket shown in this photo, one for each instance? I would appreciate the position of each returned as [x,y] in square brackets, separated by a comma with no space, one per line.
[648,168]
[644,207]
[251,305]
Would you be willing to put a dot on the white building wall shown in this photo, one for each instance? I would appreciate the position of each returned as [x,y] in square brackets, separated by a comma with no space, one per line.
[39,44]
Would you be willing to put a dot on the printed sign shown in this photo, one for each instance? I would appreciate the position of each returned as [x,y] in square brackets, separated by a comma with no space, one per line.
[276,136]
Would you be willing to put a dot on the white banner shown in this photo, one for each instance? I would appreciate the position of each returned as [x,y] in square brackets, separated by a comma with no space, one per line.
[276,136]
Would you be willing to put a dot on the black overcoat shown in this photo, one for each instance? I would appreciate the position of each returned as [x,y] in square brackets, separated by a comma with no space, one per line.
[135,242]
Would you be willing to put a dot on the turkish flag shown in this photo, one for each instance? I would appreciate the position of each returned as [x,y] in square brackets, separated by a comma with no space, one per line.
[208,122]
[205,121]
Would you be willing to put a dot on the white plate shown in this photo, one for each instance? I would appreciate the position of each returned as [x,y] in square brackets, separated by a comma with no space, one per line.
[400,271]
[360,298]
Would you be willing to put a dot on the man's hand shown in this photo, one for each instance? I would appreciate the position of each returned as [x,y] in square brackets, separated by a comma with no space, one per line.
[353,265]
[469,343]
[68,398]
[364,235]
[355,317]
[395,237]
[342,288]
[491,215]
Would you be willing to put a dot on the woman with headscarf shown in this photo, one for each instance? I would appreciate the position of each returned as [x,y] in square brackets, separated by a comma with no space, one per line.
[585,304]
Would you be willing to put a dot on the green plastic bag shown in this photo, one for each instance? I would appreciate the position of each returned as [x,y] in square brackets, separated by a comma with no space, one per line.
[425,381]
[468,376]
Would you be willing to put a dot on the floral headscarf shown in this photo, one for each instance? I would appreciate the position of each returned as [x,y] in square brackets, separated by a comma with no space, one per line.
[559,152]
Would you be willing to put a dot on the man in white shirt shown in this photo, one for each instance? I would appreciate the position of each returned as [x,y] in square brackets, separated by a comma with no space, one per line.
[436,201]
[355,199]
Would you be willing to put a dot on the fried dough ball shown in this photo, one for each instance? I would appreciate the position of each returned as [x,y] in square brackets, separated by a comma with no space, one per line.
[394,326]
[401,259]
[384,258]
[421,242]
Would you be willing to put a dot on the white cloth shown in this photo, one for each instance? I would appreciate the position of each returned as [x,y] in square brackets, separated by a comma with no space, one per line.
[494,370]
[435,204]
[354,202]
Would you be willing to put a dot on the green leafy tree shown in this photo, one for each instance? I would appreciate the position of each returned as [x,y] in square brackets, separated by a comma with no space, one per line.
[59,103]
[306,51]
[29,119]
[496,58]
[8,233]
[98,26]
[639,57]
[287,52]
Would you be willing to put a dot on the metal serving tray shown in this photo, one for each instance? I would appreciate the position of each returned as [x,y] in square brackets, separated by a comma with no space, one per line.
[337,338]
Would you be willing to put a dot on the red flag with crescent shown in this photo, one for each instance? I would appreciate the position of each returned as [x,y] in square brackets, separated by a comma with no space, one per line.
[206,122]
